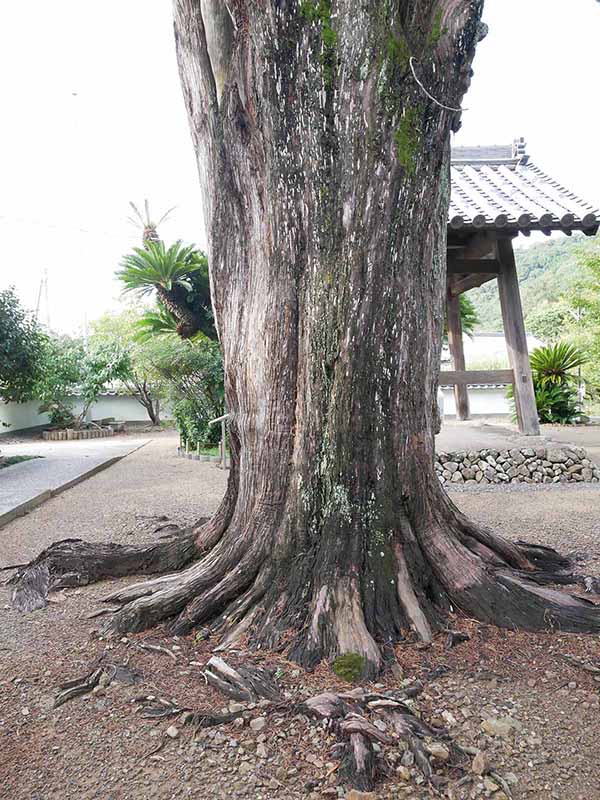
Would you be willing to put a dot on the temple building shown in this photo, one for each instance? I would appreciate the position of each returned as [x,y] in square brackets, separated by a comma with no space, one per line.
[497,194]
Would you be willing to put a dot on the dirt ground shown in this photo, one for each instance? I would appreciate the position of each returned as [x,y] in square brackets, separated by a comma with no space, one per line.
[510,694]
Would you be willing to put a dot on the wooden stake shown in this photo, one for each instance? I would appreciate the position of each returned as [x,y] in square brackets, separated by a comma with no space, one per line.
[455,342]
[516,340]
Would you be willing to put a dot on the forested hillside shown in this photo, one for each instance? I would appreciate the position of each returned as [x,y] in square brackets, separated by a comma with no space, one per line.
[547,270]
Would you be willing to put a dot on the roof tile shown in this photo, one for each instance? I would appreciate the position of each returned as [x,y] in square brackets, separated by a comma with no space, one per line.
[498,187]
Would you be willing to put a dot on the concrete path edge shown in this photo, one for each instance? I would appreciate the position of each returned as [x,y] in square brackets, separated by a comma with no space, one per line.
[42,497]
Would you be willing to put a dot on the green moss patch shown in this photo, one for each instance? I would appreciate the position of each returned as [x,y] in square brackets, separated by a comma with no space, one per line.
[407,139]
[320,12]
[349,667]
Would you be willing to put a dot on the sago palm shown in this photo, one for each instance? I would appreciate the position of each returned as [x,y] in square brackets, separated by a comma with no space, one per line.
[144,221]
[555,364]
[156,322]
[168,271]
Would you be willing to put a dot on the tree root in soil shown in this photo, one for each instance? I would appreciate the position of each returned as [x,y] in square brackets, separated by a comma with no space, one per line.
[234,589]
[73,562]
[102,675]
[359,717]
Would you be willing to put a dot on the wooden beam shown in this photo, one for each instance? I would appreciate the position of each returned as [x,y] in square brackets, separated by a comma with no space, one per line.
[516,340]
[464,377]
[473,266]
[480,245]
[455,343]
[457,287]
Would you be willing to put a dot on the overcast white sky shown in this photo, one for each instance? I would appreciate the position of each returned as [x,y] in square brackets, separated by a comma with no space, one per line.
[92,117]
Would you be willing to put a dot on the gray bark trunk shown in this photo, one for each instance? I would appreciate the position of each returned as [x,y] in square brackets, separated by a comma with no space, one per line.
[324,169]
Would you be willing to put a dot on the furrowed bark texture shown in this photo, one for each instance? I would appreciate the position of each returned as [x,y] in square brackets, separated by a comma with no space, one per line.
[325,175]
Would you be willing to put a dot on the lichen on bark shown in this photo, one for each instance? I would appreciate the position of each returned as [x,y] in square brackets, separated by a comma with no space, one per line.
[407,138]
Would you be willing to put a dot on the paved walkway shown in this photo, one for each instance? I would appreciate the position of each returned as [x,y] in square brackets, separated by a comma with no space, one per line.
[125,504]
[482,433]
[25,485]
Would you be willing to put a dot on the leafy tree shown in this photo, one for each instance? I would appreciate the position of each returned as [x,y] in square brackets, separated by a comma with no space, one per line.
[59,378]
[21,344]
[193,373]
[584,301]
[551,321]
[547,272]
[469,318]
[140,377]
[69,369]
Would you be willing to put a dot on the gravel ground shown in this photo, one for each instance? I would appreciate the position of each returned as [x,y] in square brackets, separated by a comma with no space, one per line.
[510,695]
[123,504]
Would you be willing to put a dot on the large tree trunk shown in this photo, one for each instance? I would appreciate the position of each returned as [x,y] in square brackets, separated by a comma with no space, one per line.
[325,169]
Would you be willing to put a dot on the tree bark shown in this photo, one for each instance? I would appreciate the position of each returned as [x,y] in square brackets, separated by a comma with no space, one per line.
[174,300]
[145,399]
[325,172]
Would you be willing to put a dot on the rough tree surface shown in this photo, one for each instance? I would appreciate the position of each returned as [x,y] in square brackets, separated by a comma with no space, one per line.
[325,174]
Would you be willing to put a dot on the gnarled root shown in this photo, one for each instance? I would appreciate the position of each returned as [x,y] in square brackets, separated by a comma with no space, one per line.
[239,588]
[246,683]
[73,562]
[355,715]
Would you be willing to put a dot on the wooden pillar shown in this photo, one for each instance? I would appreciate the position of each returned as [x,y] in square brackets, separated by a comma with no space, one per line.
[455,343]
[516,341]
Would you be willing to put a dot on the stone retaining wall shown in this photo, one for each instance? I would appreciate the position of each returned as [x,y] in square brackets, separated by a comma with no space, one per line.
[559,464]
[71,433]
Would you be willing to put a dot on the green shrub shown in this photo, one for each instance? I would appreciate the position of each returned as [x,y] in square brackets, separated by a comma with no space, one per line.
[555,383]
[557,404]
[555,364]
[191,418]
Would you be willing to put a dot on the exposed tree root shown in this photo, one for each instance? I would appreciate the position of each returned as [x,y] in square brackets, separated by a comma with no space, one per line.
[362,718]
[245,683]
[73,562]
[102,675]
[236,590]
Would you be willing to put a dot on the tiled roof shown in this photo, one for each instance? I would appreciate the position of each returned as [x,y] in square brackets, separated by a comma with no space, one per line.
[498,187]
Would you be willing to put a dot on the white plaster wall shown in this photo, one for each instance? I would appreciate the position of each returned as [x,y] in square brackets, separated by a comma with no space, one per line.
[19,416]
[483,402]
[122,408]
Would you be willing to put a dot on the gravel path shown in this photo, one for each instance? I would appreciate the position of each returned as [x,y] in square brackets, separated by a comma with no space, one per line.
[98,746]
[60,463]
[122,504]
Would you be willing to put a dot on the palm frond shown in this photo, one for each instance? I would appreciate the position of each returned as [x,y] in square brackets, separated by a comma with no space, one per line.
[555,364]
[157,322]
[137,213]
[165,215]
[155,265]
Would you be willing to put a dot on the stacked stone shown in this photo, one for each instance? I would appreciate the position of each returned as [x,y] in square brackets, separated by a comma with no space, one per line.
[70,433]
[524,465]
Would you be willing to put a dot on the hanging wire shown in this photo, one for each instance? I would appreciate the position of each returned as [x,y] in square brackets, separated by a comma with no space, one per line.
[429,95]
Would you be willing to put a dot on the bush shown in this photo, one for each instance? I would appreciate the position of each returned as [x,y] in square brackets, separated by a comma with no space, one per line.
[192,418]
[193,372]
[21,342]
[557,404]
[554,383]
[555,364]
